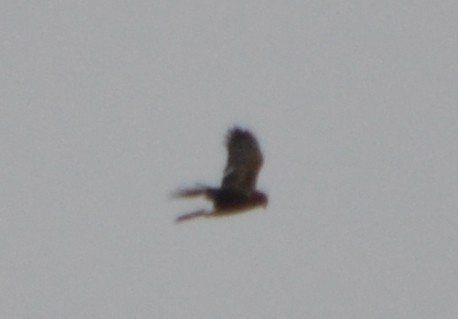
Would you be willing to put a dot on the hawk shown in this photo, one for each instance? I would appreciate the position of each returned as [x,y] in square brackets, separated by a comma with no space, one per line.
[237,192]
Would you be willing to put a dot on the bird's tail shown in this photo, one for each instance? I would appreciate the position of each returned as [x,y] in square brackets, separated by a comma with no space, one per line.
[199,213]
[196,191]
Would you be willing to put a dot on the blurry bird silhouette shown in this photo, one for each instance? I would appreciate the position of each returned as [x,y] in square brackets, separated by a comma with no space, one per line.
[238,189]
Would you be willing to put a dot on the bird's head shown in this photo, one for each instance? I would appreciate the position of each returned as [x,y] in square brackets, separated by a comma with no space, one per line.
[260,199]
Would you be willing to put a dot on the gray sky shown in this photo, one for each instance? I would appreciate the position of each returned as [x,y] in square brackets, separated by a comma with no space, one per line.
[108,106]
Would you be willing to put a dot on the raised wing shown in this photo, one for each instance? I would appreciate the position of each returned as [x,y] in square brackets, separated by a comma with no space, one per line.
[243,163]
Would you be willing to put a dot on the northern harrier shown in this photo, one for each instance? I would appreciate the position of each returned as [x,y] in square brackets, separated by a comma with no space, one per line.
[238,188]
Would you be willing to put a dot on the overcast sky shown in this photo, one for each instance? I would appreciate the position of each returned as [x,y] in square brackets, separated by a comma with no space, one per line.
[106,107]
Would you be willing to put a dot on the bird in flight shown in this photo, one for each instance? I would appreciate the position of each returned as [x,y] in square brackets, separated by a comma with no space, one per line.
[237,192]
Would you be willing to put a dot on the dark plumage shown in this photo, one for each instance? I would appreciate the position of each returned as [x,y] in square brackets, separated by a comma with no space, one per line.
[238,188]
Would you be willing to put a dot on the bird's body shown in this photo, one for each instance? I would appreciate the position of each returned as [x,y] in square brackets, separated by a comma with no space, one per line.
[238,189]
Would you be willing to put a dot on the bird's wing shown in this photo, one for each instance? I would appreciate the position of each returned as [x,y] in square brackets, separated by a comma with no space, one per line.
[243,163]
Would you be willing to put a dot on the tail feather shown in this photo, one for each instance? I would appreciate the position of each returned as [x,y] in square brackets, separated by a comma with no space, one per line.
[194,192]
[199,213]
[190,192]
